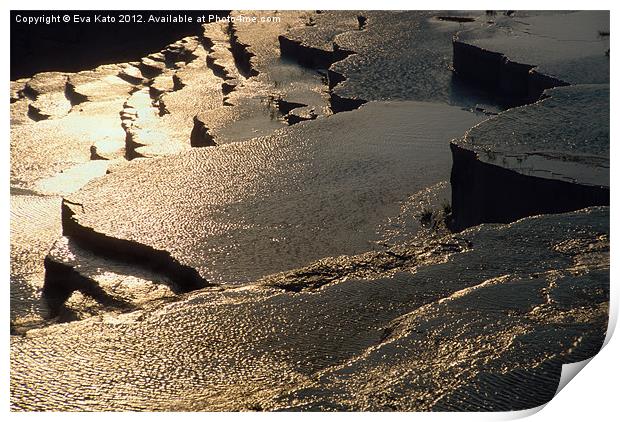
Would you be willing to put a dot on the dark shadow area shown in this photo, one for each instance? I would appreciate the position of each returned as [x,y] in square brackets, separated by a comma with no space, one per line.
[62,280]
[486,193]
[465,93]
[74,46]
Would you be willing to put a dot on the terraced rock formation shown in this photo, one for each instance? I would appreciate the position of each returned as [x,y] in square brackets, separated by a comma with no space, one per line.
[571,48]
[469,321]
[548,157]
[257,217]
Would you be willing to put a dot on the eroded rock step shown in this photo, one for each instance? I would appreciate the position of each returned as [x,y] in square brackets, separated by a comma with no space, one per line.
[42,150]
[256,80]
[411,51]
[390,55]
[313,45]
[48,93]
[288,81]
[75,277]
[569,50]
[66,128]
[74,136]
[547,157]
[484,315]
[61,121]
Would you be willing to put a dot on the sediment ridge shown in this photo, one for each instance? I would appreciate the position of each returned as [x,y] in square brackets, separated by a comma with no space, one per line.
[498,74]
[158,260]
[317,58]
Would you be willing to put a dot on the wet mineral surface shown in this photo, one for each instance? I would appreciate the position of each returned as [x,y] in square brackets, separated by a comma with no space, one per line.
[258,218]
[468,321]
[564,136]
[242,211]
[571,47]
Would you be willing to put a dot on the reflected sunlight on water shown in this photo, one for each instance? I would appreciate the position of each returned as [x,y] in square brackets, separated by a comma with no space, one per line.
[72,179]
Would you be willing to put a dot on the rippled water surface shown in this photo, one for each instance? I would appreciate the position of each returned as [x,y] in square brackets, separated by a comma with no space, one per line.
[320,189]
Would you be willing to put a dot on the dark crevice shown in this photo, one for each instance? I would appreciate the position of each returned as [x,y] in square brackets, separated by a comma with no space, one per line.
[310,57]
[74,97]
[177,53]
[459,19]
[29,93]
[131,146]
[62,280]
[161,107]
[241,55]
[340,104]
[361,22]
[227,88]
[94,155]
[150,71]
[217,69]
[134,80]
[35,114]
[177,84]
[155,93]
[200,136]
[293,119]
[334,78]
[285,107]
[207,43]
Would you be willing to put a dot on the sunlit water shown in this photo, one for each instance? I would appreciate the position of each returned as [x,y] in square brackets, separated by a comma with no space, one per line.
[320,189]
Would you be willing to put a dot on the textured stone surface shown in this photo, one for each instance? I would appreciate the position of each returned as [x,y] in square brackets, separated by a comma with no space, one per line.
[477,316]
[564,137]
